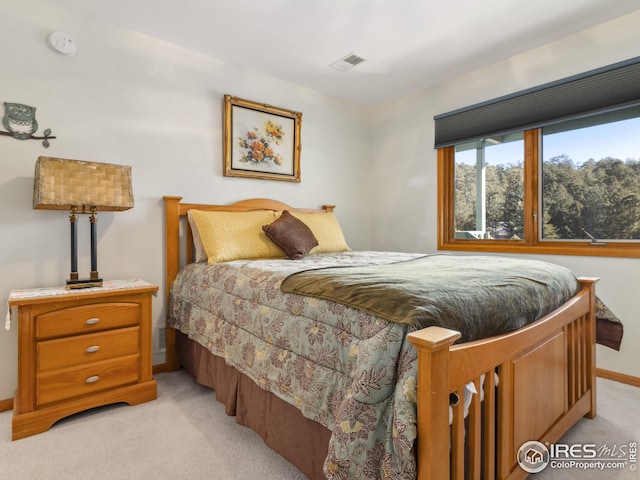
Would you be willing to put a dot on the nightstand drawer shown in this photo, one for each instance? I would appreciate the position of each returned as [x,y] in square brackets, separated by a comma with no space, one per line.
[84,349]
[86,319]
[73,382]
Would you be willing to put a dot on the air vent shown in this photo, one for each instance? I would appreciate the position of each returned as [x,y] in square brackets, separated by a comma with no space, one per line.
[162,339]
[348,62]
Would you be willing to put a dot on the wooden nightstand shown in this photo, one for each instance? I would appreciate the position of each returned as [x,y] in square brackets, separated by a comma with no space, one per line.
[79,349]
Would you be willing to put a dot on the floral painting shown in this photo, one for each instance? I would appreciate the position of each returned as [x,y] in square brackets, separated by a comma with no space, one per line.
[258,145]
[261,141]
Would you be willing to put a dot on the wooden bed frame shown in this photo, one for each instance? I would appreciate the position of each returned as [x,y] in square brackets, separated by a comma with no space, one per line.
[546,373]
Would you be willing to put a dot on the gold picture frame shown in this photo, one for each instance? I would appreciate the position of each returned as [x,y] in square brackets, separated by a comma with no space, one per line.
[261,141]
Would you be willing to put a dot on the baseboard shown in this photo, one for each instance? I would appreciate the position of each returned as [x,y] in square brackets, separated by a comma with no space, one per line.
[160,368]
[618,377]
[6,404]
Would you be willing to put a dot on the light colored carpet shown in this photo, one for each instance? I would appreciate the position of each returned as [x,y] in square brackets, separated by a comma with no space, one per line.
[617,423]
[186,434]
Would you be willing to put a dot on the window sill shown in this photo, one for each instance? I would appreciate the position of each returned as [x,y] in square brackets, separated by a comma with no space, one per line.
[547,248]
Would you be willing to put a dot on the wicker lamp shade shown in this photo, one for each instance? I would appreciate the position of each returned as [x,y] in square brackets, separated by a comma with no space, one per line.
[60,184]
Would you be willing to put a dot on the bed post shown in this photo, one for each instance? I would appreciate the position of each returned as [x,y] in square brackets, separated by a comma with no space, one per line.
[590,283]
[433,384]
[172,264]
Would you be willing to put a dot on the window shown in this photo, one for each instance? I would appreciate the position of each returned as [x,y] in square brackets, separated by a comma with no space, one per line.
[591,179]
[489,194]
[569,188]
[554,169]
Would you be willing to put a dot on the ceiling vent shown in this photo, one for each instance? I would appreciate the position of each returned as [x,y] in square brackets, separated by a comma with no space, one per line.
[347,63]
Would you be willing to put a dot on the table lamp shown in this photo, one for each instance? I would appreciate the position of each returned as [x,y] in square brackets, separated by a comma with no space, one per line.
[82,188]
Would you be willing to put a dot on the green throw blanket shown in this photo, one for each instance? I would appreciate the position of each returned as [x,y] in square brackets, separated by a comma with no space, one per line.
[479,296]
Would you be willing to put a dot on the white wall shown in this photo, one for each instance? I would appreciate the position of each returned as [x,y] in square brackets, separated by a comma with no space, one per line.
[404,159]
[130,99]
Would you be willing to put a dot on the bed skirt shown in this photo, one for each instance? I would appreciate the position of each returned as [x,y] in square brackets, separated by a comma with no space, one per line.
[302,442]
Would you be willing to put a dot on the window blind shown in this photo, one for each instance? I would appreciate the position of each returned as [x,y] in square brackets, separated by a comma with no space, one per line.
[605,89]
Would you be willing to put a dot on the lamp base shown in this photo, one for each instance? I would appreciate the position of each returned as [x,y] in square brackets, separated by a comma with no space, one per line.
[83,283]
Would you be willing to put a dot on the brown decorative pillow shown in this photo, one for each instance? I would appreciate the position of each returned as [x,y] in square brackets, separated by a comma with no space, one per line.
[291,235]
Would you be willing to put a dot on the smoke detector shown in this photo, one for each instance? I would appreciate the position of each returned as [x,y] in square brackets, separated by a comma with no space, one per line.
[347,62]
[62,43]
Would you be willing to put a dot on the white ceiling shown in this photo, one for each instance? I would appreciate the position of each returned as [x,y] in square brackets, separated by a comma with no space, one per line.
[409,44]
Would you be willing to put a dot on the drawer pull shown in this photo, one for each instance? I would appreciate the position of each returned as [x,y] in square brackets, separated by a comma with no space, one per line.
[93,348]
[93,379]
[92,321]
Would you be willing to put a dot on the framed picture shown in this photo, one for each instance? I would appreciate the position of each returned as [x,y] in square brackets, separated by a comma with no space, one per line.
[261,141]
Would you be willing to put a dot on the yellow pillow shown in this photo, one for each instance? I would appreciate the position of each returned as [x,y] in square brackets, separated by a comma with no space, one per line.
[326,229]
[228,236]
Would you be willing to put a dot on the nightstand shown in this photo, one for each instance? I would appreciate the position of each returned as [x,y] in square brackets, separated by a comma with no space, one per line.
[80,349]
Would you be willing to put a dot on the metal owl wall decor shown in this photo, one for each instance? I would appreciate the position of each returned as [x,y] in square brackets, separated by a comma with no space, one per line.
[20,121]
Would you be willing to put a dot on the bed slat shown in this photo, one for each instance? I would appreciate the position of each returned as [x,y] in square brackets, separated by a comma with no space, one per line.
[475,435]
[489,426]
[457,438]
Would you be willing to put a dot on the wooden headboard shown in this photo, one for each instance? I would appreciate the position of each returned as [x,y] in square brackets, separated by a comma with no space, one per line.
[179,240]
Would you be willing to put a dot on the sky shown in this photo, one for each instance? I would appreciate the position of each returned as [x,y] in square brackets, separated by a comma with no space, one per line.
[617,140]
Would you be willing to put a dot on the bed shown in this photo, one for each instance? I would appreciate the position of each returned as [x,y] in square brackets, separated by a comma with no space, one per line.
[448,409]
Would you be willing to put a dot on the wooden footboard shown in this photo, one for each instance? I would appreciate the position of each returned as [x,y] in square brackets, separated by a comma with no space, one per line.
[545,384]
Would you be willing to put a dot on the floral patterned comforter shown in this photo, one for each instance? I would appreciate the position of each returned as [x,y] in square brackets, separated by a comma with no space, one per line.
[345,368]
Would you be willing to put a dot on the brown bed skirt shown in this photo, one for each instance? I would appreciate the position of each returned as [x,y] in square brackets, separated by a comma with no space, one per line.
[301,441]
